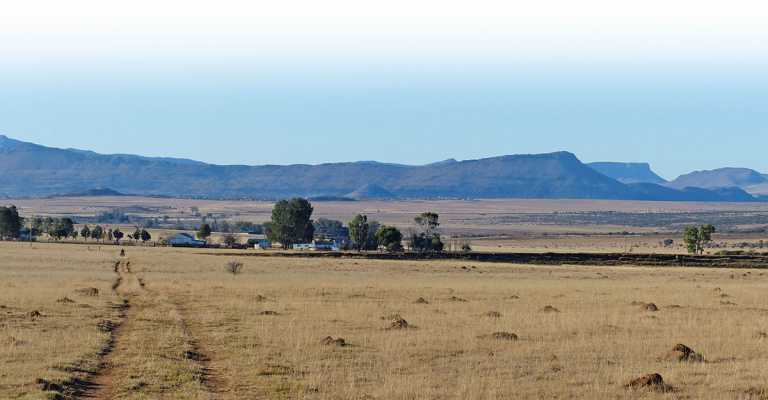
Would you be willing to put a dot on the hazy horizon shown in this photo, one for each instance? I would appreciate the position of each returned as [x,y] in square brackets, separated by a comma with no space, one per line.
[680,86]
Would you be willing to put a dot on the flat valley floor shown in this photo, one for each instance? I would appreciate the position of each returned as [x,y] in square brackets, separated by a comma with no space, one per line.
[80,321]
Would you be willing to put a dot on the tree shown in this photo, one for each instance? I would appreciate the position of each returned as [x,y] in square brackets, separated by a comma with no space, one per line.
[427,237]
[137,234]
[329,228]
[390,237]
[358,231]
[230,240]
[10,223]
[695,237]
[61,228]
[204,232]
[291,222]
[97,232]
[145,236]
[85,232]
[118,235]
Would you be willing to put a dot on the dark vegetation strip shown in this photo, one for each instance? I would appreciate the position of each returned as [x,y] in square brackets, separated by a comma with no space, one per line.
[600,259]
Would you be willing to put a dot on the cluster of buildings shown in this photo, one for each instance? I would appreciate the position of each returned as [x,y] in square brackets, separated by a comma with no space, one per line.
[260,242]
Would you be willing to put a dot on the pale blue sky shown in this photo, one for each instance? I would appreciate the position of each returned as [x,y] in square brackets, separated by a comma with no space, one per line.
[688,94]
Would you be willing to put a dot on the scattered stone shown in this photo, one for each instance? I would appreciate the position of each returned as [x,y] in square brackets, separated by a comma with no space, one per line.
[268,312]
[550,309]
[728,303]
[674,306]
[391,317]
[492,314]
[513,297]
[653,382]
[398,324]
[421,300]
[65,300]
[457,299]
[761,335]
[93,292]
[259,298]
[650,307]
[681,353]
[34,314]
[330,341]
[507,336]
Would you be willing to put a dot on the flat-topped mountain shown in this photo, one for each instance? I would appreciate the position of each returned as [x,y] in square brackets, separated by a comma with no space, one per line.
[33,170]
[628,172]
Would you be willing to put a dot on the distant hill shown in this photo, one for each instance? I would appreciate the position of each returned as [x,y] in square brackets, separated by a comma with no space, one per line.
[628,172]
[101,192]
[744,178]
[33,170]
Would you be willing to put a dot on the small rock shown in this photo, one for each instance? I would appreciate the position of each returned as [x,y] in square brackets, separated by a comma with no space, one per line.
[34,314]
[269,312]
[330,341]
[507,336]
[65,300]
[492,314]
[421,300]
[457,299]
[550,309]
[650,307]
[399,324]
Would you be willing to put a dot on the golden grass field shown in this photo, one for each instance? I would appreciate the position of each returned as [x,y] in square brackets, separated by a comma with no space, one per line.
[190,330]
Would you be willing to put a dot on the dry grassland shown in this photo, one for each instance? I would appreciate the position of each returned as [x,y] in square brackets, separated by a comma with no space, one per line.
[190,330]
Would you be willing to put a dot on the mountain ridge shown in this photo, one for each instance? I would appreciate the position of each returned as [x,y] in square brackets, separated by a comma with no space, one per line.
[32,170]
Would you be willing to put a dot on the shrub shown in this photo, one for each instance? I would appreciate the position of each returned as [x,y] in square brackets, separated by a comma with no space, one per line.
[234,267]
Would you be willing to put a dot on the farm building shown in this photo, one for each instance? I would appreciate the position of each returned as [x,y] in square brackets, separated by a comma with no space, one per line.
[259,242]
[185,240]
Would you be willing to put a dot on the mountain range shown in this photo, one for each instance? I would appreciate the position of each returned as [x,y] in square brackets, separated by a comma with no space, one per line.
[32,170]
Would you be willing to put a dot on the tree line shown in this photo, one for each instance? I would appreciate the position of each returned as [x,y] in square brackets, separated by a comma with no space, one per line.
[291,223]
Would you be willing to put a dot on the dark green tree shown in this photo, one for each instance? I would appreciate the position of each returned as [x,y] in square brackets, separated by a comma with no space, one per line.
[85,232]
[390,237]
[10,222]
[358,231]
[697,236]
[291,222]
[97,232]
[145,236]
[427,237]
[118,235]
[204,232]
